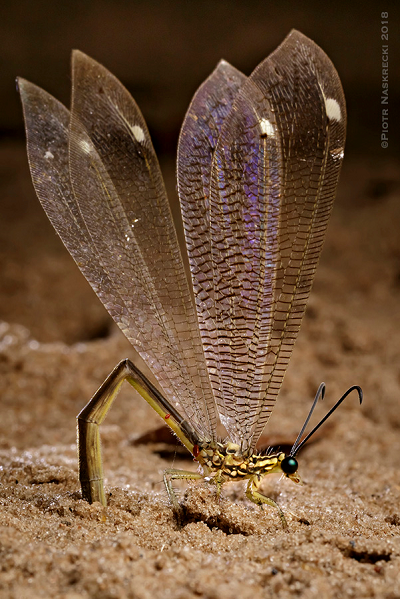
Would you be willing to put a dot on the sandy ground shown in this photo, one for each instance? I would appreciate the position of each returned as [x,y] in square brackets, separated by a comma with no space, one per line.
[57,345]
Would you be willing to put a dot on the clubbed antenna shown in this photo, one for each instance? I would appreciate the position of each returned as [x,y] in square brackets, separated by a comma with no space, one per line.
[320,394]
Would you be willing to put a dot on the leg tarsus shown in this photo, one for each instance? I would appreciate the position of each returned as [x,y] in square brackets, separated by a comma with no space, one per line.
[255,496]
[174,474]
[219,480]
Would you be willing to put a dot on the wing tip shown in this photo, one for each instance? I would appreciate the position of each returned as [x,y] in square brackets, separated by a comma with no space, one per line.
[23,85]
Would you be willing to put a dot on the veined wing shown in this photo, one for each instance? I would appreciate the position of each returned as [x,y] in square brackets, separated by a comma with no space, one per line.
[312,145]
[47,128]
[100,184]
[273,181]
[200,131]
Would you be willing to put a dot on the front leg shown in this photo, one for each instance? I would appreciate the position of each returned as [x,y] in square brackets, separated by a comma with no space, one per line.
[255,496]
[219,479]
[174,474]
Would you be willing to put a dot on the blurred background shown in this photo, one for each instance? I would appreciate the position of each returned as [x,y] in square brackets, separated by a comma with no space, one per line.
[162,51]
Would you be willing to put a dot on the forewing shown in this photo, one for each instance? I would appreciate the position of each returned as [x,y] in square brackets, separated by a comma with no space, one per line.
[197,142]
[105,183]
[273,180]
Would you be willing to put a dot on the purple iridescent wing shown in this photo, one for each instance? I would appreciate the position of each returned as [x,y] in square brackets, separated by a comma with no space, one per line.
[273,178]
[197,142]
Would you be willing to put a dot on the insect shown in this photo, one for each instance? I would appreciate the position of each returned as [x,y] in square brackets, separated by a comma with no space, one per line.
[258,164]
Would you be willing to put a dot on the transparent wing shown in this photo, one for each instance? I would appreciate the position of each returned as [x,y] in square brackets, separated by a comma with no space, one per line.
[273,179]
[101,187]
[197,142]
[310,112]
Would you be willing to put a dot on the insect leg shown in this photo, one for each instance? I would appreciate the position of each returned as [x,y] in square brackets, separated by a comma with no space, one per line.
[219,480]
[255,496]
[174,474]
[93,414]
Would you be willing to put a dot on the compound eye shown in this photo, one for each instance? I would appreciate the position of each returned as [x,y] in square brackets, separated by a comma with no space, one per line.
[289,465]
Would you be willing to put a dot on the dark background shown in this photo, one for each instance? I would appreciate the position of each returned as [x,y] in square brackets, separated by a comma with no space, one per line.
[162,51]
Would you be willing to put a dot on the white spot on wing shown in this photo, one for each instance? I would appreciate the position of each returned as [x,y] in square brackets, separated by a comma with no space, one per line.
[333,111]
[138,133]
[85,146]
[49,155]
[337,154]
[267,128]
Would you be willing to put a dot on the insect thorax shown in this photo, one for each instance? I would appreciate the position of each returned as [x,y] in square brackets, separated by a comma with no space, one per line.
[228,460]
